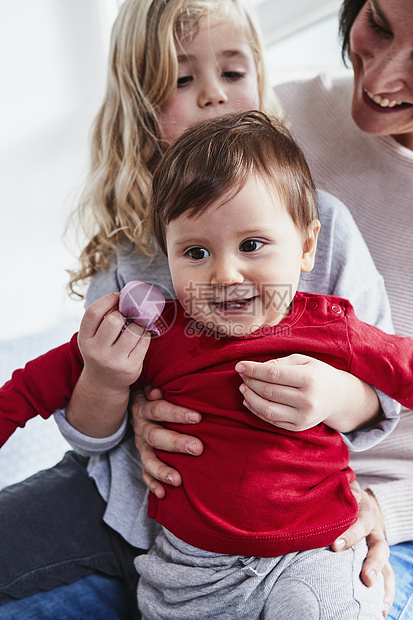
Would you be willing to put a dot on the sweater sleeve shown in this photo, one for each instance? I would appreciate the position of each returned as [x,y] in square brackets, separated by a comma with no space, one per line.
[85,445]
[393,499]
[42,386]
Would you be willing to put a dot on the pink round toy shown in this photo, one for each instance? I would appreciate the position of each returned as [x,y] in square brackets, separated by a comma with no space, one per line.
[141,303]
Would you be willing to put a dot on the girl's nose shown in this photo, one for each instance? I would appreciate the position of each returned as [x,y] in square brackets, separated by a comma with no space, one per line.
[212,93]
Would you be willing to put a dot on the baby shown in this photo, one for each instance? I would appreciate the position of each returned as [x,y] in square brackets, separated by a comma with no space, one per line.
[247,534]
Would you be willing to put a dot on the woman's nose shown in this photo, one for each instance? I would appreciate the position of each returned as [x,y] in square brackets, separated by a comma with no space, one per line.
[212,93]
[389,72]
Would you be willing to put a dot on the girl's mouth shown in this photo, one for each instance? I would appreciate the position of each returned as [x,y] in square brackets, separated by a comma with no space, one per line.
[384,104]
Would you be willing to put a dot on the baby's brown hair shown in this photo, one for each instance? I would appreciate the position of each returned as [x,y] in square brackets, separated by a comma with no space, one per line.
[214,159]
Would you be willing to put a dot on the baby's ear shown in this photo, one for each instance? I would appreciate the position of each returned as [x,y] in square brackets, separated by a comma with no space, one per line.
[310,246]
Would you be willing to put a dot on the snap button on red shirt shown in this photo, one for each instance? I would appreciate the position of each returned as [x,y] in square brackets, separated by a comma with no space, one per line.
[336,309]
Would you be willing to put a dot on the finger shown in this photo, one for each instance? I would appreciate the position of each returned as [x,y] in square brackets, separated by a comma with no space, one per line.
[279,394]
[283,371]
[152,393]
[356,490]
[162,411]
[156,472]
[275,413]
[360,529]
[154,485]
[133,342]
[110,328]
[389,588]
[376,559]
[170,441]
[137,355]
[96,312]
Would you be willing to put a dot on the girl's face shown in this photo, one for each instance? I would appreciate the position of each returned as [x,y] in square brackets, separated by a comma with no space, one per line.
[216,76]
[381,47]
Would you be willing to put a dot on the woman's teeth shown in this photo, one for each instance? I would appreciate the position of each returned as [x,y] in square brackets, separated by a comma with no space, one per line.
[384,102]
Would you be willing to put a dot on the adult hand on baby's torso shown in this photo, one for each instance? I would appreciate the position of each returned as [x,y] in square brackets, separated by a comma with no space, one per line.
[148,411]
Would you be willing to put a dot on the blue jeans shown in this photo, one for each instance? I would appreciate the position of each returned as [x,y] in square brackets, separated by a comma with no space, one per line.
[96,597]
[57,556]
[401,559]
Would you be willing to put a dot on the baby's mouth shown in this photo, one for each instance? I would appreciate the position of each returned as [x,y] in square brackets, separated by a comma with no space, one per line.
[233,304]
[385,102]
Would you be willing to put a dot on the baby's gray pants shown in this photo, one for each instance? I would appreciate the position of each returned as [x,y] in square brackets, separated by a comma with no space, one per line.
[179,582]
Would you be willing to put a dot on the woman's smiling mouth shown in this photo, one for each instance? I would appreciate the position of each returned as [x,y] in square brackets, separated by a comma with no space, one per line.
[384,104]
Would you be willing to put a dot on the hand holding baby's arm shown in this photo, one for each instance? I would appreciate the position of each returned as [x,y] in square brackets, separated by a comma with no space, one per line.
[297,392]
[113,359]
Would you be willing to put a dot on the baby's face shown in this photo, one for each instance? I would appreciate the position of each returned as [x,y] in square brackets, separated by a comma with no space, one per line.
[236,266]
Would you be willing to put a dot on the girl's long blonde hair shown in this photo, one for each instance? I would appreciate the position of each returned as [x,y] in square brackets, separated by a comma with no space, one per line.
[143,72]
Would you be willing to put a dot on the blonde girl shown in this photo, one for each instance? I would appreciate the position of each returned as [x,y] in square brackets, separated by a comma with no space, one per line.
[172,63]
[126,146]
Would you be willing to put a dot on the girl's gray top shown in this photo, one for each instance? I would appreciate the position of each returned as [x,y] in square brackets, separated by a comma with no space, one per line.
[343,267]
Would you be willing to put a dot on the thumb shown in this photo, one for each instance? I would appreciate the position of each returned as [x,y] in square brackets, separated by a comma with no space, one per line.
[293,359]
[152,393]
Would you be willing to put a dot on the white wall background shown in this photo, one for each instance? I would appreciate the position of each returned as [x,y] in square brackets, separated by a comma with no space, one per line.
[52,68]
[52,71]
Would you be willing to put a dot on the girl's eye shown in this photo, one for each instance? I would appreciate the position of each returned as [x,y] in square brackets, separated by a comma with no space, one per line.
[184,80]
[374,25]
[251,245]
[197,253]
[233,76]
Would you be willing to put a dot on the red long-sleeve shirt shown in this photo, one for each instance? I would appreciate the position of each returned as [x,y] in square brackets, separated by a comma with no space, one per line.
[256,489]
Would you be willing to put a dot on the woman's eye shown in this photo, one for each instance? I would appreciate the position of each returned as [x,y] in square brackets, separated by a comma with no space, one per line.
[251,245]
[184,80]
[197,253]
[374,25]
[233,76]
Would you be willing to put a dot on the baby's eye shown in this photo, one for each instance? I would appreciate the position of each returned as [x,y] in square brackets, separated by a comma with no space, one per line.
[233,76]
[197,253]
[184,80]
[250,245]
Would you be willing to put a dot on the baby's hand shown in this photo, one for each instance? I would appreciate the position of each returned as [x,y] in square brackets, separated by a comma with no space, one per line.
[298,392]
[113,351]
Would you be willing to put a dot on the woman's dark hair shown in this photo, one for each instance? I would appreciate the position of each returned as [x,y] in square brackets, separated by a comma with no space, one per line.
[348,13]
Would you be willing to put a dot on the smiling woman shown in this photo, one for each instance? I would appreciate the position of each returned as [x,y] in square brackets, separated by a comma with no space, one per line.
[381,52]
[357,135]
